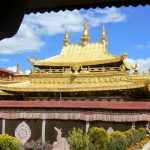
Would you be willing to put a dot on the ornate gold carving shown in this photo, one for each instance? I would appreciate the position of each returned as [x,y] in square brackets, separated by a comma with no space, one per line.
[103,36]
[66,39]
[76,68]
[122,67]
[124,55]
[85,36]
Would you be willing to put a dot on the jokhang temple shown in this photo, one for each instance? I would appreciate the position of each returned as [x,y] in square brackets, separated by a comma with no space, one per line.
[83,86]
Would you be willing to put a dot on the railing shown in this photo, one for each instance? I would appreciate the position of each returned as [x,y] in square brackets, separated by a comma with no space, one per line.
[87,69]
[104,69]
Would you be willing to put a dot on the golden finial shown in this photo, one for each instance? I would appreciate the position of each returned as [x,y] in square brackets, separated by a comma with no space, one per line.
[18,69]
[103,36]
[85,36]
[31,70]
[66,39]
[136,69]
[124,55]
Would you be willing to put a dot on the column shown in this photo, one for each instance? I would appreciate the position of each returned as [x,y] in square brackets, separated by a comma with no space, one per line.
[133,124]
[3,125]
[60,96]
[43,129]
[87,126]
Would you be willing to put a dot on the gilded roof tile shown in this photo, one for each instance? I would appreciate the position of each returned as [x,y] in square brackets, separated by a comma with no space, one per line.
[92,53]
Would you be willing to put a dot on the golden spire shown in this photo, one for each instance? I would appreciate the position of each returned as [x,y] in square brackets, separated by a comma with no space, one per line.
[18,69]
[103,36]
[136,69]
[66,39]
[85,36]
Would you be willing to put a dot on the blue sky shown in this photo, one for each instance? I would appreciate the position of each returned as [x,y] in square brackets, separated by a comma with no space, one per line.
[41,35]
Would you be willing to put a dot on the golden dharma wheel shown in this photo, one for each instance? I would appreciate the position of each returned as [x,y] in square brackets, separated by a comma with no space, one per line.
[76,68]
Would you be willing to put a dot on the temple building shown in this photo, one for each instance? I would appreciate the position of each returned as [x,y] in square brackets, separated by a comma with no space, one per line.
[83,86]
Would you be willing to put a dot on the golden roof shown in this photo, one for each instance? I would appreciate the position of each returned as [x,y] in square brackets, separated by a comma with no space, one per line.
[77,83]
[4,93]
[84,53]
[92,53]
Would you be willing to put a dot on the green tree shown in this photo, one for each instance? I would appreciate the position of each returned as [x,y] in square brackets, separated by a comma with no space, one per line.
[78,140]
[117,141]
[9,143]
[142,132]
[129,137]
[111,144]
[137,134]
[97,138]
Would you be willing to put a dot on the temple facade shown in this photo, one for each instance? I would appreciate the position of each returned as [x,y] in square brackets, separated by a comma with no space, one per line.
[83,86]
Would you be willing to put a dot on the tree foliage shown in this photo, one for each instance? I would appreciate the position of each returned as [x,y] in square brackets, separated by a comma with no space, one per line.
[9,143]
[117,141]
[97,138]
[78,140]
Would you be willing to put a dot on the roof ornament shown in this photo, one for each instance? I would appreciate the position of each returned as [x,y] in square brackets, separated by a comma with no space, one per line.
[85,36]
[124,55]
[136,69]
[103,36]
[18,69]
[66,39]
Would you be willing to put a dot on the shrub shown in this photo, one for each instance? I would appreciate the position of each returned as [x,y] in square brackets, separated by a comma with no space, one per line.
[78,140]
[129,137]
[110,144]
[117,141]
[97,138]
[142,132]
[137,134]
[134,132]
[9,143]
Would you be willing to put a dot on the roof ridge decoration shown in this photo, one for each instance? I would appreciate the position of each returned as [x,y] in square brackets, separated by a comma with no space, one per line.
[85,36]
[103,36]
[18,69]
[83,54]
[66,38]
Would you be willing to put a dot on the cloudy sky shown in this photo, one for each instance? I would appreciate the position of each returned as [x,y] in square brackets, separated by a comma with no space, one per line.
[41,35]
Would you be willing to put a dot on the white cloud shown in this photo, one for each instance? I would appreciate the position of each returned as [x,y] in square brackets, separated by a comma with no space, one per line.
[143,64]
[4,60]
[54,23]
[13,68]
[29,36]
[25,40]
[111,15]
[143,46]
[27,72]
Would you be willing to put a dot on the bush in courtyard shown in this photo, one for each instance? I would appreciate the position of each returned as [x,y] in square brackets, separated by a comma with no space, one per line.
[117,141]
[129,137]
[78,140]
[111,145]
[38,145]
[142,132]
[9,143]
[97,138]
[137,134]
[134,132]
